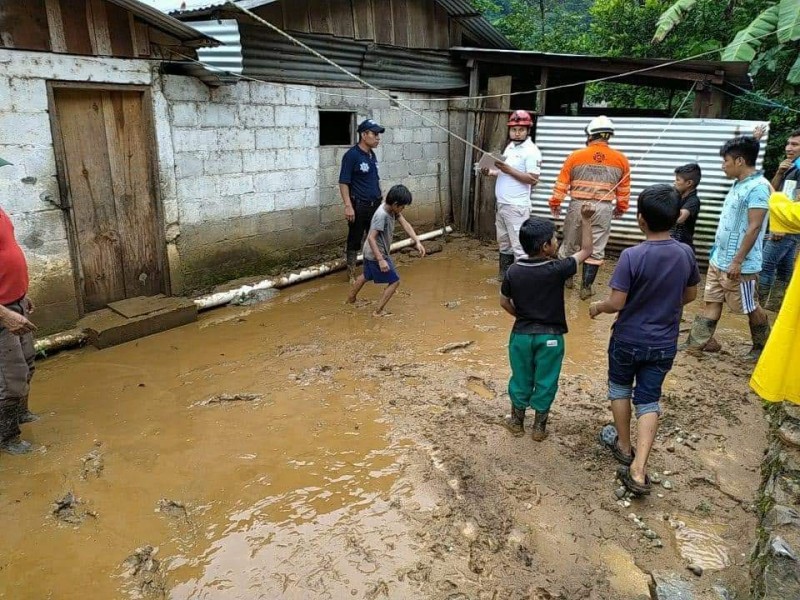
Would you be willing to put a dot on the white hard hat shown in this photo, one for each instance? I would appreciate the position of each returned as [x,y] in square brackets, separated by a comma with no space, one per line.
[601,124]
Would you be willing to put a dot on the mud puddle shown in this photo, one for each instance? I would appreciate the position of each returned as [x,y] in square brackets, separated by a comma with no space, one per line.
[300,448]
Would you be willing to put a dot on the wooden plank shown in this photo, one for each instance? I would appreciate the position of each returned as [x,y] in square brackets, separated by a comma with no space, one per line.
[23,25]
[98,27]
[400,22]
[76,28]
[362,19]
[541,96]
[83,134]
[272,13]
[494,136]
[58,41]
[142,39]
[418,23]
[319,12]
[342,19]
[441,27]
[296,18]
[383,22]
[120,31]
[128,154]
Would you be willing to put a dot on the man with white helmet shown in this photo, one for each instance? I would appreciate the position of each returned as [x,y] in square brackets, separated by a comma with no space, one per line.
[598,174]
[515,178]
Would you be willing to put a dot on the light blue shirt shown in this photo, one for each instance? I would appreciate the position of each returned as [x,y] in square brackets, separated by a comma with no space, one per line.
[750,193]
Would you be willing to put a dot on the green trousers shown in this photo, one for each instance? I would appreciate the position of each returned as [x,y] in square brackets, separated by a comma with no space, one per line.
[535,366]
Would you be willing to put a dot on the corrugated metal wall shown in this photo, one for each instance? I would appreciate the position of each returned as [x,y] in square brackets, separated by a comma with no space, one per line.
[685,140]
[227,57]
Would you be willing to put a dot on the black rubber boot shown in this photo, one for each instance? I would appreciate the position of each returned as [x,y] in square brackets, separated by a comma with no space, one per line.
[16,446]
[515,422]
[702,331]
[763,294]
[759,333]
[589,275]
[352,275]
[775,296]
[506,260]
[540,426]
[25,415]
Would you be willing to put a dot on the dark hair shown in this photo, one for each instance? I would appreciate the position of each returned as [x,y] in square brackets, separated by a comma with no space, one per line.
[745,147]
[690,172]
[795,133]
[534,233]
[659,206]
[399,195]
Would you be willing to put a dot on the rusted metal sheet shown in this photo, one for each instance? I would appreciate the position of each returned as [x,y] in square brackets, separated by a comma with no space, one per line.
[654,150]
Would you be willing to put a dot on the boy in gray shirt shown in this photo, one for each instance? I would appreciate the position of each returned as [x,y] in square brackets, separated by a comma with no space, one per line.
[378,266]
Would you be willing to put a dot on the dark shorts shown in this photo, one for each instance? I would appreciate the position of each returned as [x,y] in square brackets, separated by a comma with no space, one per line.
[372,272]
[647,366]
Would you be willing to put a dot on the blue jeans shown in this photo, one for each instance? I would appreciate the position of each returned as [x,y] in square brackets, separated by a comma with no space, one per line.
[647,366]
[778,260]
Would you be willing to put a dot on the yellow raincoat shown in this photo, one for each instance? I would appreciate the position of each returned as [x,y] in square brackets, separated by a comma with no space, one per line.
[777,374]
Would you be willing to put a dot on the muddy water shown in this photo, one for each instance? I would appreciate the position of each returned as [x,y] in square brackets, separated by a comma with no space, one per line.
[353,459]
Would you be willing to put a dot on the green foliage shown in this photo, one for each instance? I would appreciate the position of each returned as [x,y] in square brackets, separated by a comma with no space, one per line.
[794,73]
[789,21]
[673,16]
[747,42]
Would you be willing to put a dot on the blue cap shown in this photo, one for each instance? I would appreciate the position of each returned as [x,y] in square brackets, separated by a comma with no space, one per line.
[370,125]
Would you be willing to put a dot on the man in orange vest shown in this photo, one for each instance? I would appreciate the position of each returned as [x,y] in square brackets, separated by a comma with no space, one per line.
[598,174]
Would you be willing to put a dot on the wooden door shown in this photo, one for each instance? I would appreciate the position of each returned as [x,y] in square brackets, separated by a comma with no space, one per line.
[107,177]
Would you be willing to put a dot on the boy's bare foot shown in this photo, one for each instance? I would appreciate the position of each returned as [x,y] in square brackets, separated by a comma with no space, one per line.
[351,299]
[382,313]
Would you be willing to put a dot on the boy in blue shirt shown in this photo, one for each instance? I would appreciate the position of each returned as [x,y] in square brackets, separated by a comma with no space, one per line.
[650,285]
[533,293]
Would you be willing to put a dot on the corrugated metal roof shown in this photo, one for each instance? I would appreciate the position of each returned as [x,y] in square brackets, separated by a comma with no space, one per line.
[164,22]
[476,26]
[270,56]
[686,140]
[227,57]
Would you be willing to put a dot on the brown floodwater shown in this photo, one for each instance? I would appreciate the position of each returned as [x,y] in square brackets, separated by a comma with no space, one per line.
[290,491]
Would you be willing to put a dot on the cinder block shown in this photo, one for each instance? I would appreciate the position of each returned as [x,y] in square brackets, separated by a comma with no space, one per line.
[300,95]
[187,89]
[412,151]
[312,197]
[329,196]
[28,95]
[327,157]
[276,181]
[256,116]
[290,116]
[275,221]
[235,139]
[431,152]
[193,140]
[235,185]
[188,164]
[196,188]
[253,204]
[220,163]
[260,161]
[238,93]
[184,114]
[267,93]
[331,214]
[25,129]
[303,137]
[422,136]
[273,138]
[303,179]
[216,115]
[297,158]
[5,92]
[290,199]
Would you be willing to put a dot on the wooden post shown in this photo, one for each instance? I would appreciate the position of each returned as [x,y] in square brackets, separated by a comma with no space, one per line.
[474,82]
[493,139]
[541,95]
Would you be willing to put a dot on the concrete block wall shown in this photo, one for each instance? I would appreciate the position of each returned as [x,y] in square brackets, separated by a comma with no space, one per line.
[29,190]
[409,152]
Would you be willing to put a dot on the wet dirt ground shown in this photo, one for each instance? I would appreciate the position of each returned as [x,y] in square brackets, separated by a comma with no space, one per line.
[301,448]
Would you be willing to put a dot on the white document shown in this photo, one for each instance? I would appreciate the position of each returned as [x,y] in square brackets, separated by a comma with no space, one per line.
[487,160]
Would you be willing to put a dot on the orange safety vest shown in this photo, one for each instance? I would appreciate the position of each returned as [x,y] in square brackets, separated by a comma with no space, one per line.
[597,172]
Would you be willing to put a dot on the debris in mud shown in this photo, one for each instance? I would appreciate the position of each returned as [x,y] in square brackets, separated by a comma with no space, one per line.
[315,375]
[454,346]
[145,571]
[452,304]
[92,464]
[225,398]
[172,508]
[288,350]
[67,510]
[668,586]
[378,590]
[254,297]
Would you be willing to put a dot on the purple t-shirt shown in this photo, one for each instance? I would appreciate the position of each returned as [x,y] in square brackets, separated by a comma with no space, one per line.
[654,275]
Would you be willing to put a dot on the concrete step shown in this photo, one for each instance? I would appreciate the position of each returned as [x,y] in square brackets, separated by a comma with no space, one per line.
[135,318]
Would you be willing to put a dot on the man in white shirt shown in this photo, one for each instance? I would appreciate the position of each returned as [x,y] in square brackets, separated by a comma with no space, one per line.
[515,178]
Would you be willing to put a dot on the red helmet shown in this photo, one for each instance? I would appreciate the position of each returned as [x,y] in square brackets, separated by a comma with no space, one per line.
[520,118]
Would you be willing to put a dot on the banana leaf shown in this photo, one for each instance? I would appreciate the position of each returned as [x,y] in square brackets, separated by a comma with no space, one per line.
[671,18]
[747,42]
[794,73]
[789,21]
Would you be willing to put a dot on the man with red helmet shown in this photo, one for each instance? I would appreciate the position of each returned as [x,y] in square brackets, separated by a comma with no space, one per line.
[515,178]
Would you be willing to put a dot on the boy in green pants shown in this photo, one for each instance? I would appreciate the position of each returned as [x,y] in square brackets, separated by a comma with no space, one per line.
[533,293]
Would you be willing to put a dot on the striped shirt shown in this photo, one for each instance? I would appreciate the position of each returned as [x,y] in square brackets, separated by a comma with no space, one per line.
[597,172]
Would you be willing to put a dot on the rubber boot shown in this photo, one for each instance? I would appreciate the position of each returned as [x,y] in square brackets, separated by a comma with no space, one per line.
[9,428]
[570,283]
[352,275]
[506,260]
[589,275]
[540,426]
[776,296]
[16,446]
[515,422]
[759,334]
[702,331]
[25,415]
